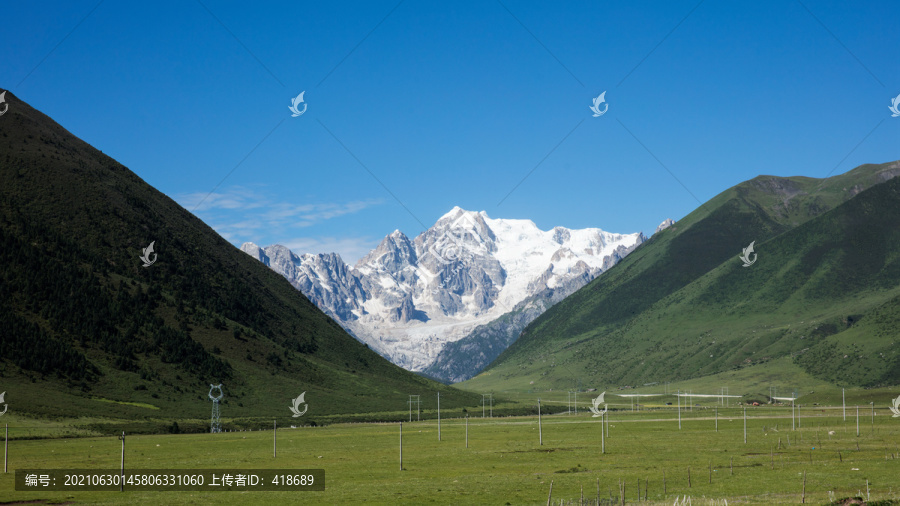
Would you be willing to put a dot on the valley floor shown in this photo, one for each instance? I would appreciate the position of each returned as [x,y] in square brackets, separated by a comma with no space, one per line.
[505,462]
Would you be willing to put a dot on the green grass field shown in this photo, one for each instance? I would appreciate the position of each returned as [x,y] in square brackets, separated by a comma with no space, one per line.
[505,464]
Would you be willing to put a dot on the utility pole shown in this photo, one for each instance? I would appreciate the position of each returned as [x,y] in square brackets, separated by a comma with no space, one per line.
[873,416]
[745,424]
[418,402]
[122,480]
[602,438]
[485,398]
[540,428]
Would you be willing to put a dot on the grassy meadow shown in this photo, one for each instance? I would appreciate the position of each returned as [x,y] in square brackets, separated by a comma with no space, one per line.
[505,463]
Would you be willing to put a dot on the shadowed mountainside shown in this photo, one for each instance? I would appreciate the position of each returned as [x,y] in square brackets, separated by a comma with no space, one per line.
[88,329]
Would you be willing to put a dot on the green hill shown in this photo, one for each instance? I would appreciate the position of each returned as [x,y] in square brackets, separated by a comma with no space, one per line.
[681,306]
[88,331]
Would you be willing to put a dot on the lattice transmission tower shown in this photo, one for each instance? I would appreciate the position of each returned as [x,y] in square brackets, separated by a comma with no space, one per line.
[214,425]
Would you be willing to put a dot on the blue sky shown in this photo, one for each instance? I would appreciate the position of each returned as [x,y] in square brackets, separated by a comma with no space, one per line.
[415,107]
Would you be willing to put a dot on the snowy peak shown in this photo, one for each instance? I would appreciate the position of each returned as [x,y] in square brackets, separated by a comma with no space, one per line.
[393,254]
[461,223]
[256,252]
[561,235]
[408,298]
[324,278]
[454,215]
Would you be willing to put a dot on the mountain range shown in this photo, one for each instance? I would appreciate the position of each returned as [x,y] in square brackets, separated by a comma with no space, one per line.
[450,300]
[91,328]
[821,294]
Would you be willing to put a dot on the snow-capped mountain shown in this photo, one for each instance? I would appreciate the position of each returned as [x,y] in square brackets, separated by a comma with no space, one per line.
[408,298]
[668,222]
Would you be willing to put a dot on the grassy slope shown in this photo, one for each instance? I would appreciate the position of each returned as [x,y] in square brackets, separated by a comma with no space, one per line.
[84,321]
[681,305]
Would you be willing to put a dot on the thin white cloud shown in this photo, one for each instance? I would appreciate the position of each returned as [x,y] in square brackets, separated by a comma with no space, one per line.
[243,209]
[309,214]
[235,198]
[242,228]
[241,214]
